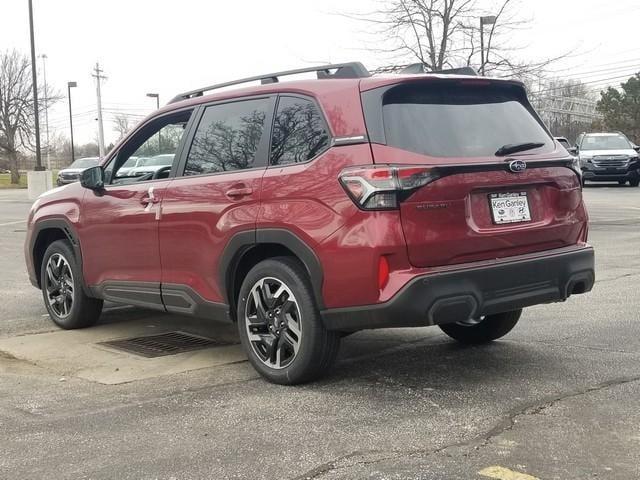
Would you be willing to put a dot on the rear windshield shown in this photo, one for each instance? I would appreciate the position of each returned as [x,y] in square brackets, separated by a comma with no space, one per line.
[454,120]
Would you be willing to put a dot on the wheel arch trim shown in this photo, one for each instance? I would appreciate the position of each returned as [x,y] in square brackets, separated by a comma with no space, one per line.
[71,234]
[242,242]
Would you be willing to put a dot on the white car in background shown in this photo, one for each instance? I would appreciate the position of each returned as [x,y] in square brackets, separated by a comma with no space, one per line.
[565,143]
[148,165]
[131,163]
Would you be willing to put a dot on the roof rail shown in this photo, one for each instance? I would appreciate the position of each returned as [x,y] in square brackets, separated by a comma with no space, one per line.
[420,68]
[342,70]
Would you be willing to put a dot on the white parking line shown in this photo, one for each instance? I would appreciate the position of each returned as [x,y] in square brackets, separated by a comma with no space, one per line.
[12,223]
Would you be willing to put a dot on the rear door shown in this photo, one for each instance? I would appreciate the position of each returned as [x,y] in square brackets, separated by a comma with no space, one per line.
[482,204]
[215,195]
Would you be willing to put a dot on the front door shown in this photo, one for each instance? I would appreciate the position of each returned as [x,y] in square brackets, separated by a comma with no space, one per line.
[118,228]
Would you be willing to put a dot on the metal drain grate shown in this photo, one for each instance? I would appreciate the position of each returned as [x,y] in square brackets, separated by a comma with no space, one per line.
[164,344]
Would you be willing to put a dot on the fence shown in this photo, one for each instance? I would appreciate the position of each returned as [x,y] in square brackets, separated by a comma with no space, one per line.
[57,163]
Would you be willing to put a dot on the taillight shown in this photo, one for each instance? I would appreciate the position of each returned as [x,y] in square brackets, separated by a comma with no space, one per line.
[381,187]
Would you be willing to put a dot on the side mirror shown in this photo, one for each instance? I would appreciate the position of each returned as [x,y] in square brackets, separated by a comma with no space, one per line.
[637,148]
[92,178]
[573,150]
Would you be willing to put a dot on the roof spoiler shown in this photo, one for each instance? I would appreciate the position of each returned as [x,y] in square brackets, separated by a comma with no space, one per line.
[420,68]
[338,70]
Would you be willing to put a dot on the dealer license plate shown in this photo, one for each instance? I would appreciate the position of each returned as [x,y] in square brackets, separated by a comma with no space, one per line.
[509,207]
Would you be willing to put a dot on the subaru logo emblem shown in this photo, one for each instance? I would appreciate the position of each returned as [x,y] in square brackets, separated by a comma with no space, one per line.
[517,166]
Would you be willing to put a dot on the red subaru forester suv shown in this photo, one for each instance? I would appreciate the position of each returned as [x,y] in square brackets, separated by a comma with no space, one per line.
[309,209]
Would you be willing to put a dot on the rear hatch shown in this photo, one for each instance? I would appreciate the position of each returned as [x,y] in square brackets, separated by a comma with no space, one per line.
[477,202]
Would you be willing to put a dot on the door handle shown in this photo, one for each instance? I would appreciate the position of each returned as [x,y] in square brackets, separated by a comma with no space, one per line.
[150,198]
[239,192]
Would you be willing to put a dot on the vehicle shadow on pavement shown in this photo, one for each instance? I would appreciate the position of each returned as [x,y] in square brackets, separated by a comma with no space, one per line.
[436,363]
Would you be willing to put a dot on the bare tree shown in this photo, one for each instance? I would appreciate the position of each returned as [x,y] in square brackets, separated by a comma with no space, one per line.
[17,107]
[444,34]
[121,125]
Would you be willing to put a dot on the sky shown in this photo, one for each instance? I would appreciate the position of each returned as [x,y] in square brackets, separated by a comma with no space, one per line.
[147,46]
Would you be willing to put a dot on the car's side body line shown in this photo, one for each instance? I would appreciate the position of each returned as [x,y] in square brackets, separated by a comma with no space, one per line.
[173,298]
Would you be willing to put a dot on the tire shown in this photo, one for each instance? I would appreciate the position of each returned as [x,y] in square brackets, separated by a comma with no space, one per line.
[288,322]
[635,182]
[62,290]
[485,330]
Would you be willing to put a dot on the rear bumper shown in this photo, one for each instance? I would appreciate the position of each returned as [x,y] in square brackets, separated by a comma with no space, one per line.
[473,291]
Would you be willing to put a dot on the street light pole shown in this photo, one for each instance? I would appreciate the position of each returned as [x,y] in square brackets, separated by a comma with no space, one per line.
[34,80]
[69,86]
[486,20]
[157,97]
[481,48]
[46,107]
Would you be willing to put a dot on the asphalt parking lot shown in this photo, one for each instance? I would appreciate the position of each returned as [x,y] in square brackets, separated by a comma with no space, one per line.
[557,398]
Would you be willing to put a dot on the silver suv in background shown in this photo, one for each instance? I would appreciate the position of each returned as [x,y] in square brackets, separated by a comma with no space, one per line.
[72,172]
[608,157]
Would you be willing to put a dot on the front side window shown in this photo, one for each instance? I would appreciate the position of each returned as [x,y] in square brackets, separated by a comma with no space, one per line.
[227,137]
[299,133]
[150,153]
[459,120]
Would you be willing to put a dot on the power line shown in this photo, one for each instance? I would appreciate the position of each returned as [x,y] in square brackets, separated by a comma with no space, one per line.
[602,64]
[600,73]
[583,83]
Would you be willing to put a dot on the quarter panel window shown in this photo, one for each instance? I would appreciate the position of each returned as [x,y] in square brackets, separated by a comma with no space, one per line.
[227,137]
[299,134]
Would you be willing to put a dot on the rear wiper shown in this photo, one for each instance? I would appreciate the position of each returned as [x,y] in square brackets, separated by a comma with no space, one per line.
[517,147]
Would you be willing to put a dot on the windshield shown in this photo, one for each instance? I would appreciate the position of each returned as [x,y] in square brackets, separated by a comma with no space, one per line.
[457,120]
[604,142]
[159,160]
[84,162]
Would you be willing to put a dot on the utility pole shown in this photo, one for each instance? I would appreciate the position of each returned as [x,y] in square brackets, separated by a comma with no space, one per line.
[34,79]
[71,85]
[46,107]
[98,76]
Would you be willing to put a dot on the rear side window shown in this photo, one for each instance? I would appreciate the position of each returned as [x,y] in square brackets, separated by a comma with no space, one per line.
[227,137]
[299,133]
[456,120]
